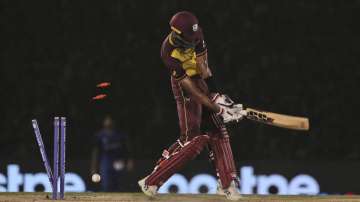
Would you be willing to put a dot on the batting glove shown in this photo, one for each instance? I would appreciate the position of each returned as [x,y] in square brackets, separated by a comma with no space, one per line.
[222,100]
[231,114]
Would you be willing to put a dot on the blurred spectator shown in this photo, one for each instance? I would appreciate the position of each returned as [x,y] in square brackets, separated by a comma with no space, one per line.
[110,157]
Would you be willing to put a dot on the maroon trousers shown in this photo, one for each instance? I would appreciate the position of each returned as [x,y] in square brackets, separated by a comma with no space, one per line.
[198,128]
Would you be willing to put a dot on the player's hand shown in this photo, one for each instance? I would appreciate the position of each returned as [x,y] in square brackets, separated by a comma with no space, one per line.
[231,114]
[222,100]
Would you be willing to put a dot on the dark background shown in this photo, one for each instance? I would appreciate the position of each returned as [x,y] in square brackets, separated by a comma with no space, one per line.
[293,57]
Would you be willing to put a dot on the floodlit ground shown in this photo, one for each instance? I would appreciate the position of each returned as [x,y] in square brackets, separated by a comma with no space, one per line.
[139,197]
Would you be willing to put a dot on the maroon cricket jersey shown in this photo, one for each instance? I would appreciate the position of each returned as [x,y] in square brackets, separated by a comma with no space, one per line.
[181,62]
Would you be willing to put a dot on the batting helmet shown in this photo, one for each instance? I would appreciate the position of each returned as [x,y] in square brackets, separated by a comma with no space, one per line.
[185,25]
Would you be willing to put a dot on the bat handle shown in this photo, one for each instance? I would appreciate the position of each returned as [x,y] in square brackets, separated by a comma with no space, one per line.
[243,112]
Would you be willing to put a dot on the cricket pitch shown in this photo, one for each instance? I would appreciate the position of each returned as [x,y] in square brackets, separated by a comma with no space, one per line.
[139,197]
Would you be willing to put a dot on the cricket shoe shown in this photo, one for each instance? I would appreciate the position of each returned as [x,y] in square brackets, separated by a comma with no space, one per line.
[148,190]
[232,192]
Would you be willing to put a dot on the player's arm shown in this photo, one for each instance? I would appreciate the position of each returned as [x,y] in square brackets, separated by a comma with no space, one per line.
[203,67]
[206,74]
[200,97]
[227,114]
[179,74]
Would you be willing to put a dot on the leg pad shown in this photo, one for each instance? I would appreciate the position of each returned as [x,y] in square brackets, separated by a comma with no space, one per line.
[177,160]
[223,157]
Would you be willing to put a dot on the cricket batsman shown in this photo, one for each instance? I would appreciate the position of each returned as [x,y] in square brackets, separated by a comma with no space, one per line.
[202,110]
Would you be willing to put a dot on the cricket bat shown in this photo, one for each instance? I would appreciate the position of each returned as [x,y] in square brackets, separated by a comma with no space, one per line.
[278,120]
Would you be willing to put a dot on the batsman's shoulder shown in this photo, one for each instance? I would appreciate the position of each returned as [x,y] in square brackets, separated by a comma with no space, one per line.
[166,49]
[173,64]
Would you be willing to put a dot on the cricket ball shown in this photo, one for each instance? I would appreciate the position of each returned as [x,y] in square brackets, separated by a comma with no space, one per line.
[95,178]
